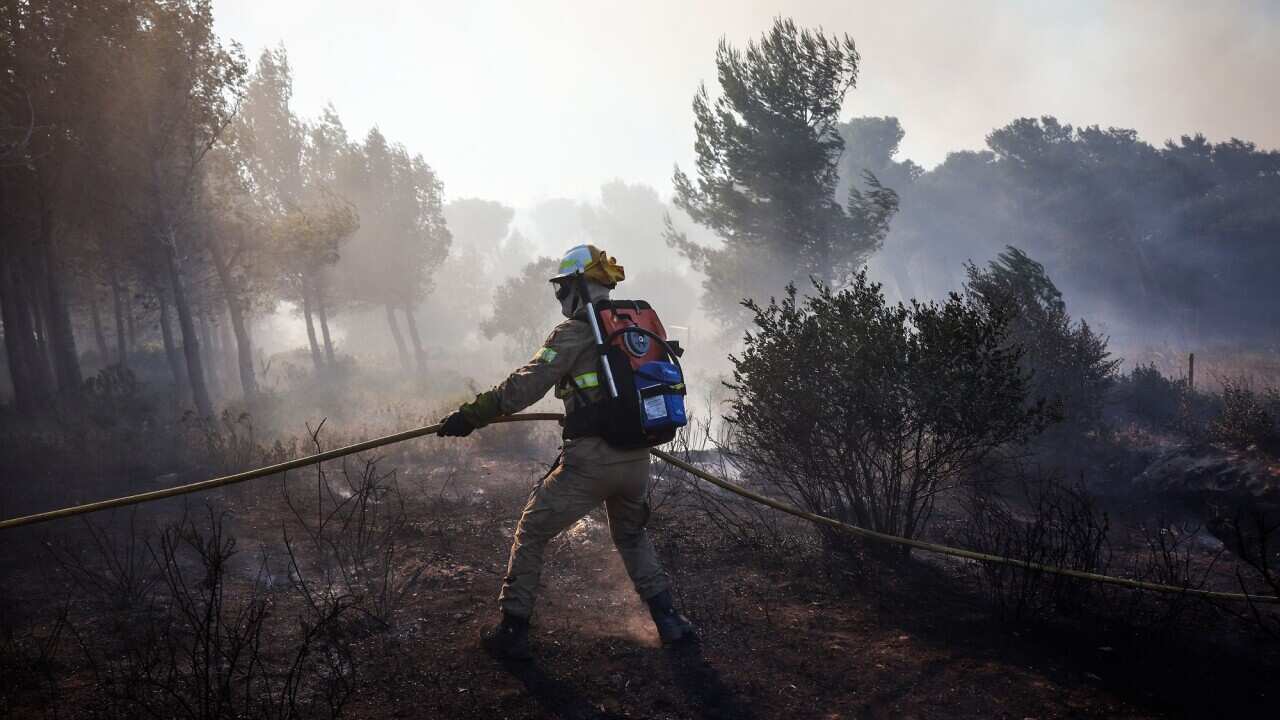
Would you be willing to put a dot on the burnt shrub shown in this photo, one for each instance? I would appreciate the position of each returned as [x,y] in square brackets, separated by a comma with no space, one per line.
[1257,542]
[769,535]
[354,535]
[1169,553]
[865,411]
[30,638]
[1047,522]
[194,641]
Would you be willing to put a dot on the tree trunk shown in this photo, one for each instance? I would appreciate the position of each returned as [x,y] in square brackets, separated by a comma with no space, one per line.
[171,351]
[19,374]
[419,354]
[225,348]
[190,342]
[30,385]
[34,282]
[128,318]
[311,328]
[117,308]
[217,350]
[324,327]
[27,280]
[395,333]
[210,358]
[62,340]
[96,320]
[244,347]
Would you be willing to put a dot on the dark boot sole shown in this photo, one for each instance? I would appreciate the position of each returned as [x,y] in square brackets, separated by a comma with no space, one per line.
[502,654]
[494,647]
[686,637]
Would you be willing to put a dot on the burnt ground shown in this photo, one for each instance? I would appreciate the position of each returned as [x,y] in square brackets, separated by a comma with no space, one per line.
[784,634]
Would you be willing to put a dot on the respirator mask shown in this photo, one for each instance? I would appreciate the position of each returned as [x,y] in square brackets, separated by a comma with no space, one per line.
[567,297]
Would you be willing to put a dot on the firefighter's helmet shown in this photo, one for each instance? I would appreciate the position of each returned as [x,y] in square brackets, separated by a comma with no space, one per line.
[593,263]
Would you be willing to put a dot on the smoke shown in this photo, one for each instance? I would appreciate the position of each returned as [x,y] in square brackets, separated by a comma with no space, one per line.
[540,106]
[525,102]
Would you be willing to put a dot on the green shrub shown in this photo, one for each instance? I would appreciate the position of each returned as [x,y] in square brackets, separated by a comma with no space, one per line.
[865,411]
[1069,364]
[1148,395]
[1248,417]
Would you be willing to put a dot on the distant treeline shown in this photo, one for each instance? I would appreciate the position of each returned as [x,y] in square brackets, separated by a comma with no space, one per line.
[1179,243]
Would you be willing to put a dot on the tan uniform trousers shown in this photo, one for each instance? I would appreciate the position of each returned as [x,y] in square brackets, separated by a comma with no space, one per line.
[589,473]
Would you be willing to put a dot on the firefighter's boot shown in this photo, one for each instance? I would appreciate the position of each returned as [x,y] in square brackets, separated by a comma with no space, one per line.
[508,639]
[672,626]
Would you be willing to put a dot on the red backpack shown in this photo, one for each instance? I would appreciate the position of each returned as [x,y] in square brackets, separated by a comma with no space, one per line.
[643,378]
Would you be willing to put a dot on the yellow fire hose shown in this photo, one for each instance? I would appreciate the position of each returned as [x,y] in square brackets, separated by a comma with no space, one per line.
[666,457]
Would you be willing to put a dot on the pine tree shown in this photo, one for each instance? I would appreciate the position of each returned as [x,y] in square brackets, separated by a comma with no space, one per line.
[768,152]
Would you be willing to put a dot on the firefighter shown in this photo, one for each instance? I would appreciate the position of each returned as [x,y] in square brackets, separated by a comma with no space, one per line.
[589,471]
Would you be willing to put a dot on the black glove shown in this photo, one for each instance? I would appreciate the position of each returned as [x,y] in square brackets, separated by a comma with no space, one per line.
[455,425]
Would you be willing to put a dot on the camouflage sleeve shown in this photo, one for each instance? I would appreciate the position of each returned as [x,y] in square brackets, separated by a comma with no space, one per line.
[530,382]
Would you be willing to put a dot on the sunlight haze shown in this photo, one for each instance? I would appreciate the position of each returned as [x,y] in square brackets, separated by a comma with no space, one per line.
[525,101]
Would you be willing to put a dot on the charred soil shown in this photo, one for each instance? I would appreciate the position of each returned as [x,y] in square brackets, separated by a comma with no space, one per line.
[785,634]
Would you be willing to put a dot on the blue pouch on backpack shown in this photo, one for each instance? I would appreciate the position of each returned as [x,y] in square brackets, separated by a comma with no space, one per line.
[661,388]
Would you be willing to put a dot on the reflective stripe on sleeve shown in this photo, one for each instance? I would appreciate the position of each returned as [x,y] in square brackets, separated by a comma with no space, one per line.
[545,354]
[586,380]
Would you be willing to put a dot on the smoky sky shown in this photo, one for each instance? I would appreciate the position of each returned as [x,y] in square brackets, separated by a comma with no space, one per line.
[522,101]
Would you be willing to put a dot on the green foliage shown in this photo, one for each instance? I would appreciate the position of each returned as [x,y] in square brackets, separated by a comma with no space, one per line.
[307,238]
[768,151]
[1147,394]
[1163,240]
[870,146]
[274,138]
[629,223]
[113,399]
[107,113]
[403,237]
[1248,418]
[524,309]
[479,223]
[866,411]
[1069,365]
[483,237]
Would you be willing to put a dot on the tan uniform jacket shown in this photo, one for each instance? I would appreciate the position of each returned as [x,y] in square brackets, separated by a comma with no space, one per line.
[568,362]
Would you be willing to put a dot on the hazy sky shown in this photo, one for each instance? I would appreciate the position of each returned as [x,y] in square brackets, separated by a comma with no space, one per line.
[520,101]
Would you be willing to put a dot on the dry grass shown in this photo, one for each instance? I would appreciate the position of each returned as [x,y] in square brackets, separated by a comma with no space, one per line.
[1214,364]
